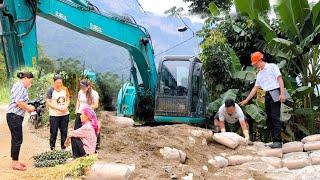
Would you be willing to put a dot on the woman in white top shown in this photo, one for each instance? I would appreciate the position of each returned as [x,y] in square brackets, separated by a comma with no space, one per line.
[87,97]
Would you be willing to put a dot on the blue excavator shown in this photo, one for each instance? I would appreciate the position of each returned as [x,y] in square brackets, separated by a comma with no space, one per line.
[176,93]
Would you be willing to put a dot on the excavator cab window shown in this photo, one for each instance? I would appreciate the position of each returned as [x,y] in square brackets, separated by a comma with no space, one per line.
[196,87]
[174,78]
[172,98]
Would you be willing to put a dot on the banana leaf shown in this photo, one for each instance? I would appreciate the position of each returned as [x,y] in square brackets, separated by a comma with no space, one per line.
[245,75]
[303,129]
[255,112]
[214,9]
[285,112]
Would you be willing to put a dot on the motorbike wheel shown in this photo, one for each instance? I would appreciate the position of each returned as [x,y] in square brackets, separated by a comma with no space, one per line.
[32,119]
[36,122]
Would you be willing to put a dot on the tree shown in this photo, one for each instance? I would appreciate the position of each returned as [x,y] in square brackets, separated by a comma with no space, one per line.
[70,66]
[243,36]
[201,6]
[217,63]
[45,66]
[108,85]
[3,71]
[227,45]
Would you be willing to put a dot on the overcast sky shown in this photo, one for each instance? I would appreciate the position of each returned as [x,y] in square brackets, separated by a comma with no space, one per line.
[160,6]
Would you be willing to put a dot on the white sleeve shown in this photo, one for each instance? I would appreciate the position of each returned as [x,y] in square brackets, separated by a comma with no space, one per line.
[221,114]
[257,83]
[276,71]
[240,113]
[95,96]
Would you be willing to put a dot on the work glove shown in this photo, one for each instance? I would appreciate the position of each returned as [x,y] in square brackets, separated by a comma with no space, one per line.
[246,136]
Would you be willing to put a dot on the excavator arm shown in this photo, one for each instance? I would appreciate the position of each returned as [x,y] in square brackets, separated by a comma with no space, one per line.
[178,96]
[19,39]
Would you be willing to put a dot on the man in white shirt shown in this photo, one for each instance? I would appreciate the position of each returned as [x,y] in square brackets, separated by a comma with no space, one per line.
[270,80]
[232,113]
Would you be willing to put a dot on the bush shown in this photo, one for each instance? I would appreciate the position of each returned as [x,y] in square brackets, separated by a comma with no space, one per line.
[4,90]
[3,71]
[108,86]
[4,94]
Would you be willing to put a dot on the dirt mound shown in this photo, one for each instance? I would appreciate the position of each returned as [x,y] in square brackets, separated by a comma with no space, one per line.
[141,146]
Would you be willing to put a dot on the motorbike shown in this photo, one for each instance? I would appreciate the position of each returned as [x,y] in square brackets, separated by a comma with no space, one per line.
[36,115]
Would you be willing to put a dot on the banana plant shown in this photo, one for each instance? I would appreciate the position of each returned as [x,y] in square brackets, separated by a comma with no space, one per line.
[300,22]
[214,106]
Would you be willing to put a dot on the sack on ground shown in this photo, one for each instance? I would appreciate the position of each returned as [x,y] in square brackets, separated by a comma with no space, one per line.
[201,133]
[257,166]
[312,146]
[237,160]
[315,157]
[311,138]
[296,160]
[218,162]
[173,154]
[273,161]
[295,146]
[259,145]
[111,171]
[123,122]
[268,152]
[229,139]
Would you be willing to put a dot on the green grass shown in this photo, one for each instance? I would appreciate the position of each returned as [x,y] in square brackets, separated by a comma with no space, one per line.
[4,94]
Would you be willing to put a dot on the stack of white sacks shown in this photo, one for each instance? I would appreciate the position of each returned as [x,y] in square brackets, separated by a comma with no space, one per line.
[293,155]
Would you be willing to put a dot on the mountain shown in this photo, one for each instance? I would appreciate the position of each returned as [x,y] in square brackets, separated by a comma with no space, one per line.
[102,56]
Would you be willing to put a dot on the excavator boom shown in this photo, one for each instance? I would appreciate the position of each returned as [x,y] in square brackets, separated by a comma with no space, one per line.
[19,40]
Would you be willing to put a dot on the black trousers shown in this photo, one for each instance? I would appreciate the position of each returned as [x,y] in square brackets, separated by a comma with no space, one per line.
[273,117]
[15,125]
[77,122]
[77,147]
[98,142]
[58,122]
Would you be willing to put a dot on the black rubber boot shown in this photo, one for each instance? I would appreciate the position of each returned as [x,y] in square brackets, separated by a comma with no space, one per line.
[276,145]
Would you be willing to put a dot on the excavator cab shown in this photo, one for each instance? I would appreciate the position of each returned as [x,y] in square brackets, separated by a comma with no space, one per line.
[181,95]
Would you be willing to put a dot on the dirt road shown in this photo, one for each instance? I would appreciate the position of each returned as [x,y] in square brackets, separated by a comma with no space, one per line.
[139,146]
[31,145]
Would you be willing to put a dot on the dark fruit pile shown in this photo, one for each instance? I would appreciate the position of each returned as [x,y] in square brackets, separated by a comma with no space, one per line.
[51,158]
